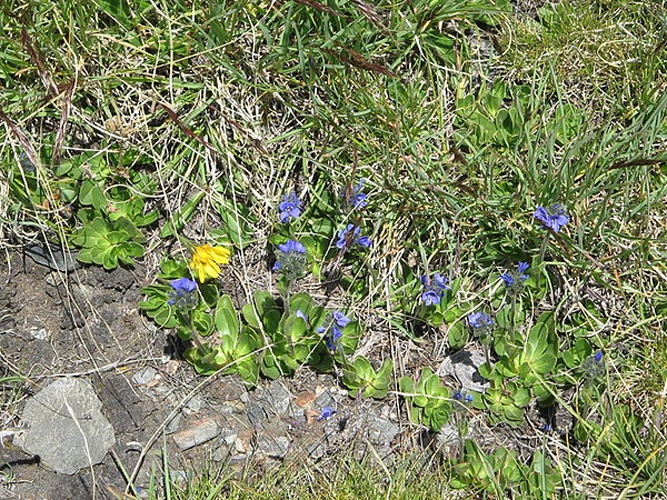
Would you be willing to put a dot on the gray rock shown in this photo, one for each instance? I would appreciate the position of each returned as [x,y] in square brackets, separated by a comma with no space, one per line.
[66,427]
[195,404]
[276,398]
[39,333]
[317,449]
[173,425]
[198,432]
[382,432]
[53,256]
[463,366]
[145,376]
[325,399]
[274,441]
[256,414]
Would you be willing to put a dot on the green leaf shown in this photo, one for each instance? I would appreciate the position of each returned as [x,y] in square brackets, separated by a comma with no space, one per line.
[540,349]
[90,193]
[250,316]
[363,368]
[226,319]
[203,322]
[264,302]
[294,328]
[301,302]
[248,370]
[406,385]
[457,335]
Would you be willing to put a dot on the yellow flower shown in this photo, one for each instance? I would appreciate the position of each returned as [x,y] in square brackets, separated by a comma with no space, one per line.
[206,259]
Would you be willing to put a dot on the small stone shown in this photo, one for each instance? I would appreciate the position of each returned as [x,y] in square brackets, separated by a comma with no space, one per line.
[463,366]
[145,376]
[273,447]
[277,398]
[448,440]
[66,427]
[317,449]
[229,436]
[256,414]
[195,404]
[173,424]
[274,442]
[325,399]
[381,431]
[39,333]
[305,399]
[197,433]
[243,443]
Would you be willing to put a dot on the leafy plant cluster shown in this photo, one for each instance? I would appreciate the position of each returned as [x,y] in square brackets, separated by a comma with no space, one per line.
[99,199]
[273,336]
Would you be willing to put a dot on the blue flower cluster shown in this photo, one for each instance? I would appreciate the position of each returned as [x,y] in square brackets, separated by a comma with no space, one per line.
[289,208]
[462,395]
[326,413]
[514,280]
[291,259]
[553,217]
[594,366]
[354,198]
[351,235]
[333,331]
[434,289]
[181,294]
[479,319]
[481,323]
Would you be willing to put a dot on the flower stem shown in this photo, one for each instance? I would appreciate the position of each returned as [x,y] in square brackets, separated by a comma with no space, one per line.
[194,334]
[543,251]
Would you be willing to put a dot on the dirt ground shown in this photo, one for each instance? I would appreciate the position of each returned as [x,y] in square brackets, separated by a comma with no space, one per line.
[86,324]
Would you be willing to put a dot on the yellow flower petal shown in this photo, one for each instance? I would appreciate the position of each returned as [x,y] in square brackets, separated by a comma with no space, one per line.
[205,260]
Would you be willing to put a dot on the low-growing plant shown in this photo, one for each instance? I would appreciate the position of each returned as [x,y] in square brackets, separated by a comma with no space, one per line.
[109,243]
[429,401]
[362,379]
[501,474]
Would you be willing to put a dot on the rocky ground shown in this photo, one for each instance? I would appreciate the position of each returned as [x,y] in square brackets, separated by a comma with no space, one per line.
[80,339]
[108,398]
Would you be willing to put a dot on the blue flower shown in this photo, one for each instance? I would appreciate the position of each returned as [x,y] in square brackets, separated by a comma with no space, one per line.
[508,279]
[327,413]
[480,321]
[463,395]
[514,279]
[289,207]
[594,366]
[434,289]
[553,217]
[181,294]
[183,284]
[332,339]
[333,329]
[354,198]
[292,246]
[431,298]
[291,259]
[440,281]
[350,236]
[340,319]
